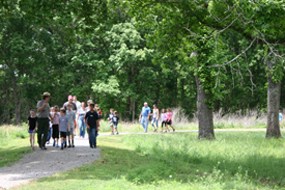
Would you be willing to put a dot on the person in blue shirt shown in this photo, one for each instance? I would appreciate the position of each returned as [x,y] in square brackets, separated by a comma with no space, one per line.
[144,116]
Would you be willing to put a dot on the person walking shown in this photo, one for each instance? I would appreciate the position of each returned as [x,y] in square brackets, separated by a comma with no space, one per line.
[92,121]
[70,101]
[144,116]
[169,115]
[43,114]
[55,126]
[81,124]
[32,121]
[155,118]
[72,125]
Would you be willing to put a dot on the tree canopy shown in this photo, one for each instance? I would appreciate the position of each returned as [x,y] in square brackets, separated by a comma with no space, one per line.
[226,56]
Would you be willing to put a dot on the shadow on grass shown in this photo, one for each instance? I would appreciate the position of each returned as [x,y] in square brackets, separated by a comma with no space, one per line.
[11,155]
[139,167]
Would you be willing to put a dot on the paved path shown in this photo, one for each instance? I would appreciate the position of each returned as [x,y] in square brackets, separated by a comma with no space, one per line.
[41,163]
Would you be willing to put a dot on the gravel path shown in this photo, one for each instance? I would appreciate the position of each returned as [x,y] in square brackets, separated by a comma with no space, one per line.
[40,163]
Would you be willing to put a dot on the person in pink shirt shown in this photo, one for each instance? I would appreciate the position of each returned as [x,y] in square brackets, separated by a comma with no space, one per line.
[169,115]
[55,126]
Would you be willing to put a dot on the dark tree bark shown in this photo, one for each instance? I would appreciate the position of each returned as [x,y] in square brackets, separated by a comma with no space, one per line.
[205,114]
[273,103]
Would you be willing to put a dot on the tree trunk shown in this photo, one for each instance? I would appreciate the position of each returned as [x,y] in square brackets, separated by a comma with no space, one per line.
[205,114]
[273,103]
[133,110]
[18,113]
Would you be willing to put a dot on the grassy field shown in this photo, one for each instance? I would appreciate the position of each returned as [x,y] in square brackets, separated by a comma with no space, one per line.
[14,144]
[240,160]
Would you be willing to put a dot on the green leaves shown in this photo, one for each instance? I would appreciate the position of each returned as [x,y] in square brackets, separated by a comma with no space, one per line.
[110,87]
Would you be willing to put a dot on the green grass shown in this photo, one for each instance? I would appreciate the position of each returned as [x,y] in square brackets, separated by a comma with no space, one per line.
[14,144]
[240,160]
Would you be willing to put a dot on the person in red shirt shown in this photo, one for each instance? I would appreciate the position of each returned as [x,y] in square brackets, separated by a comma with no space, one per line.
[169,115]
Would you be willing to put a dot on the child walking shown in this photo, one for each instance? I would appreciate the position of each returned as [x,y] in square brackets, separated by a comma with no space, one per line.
[115,121]
[110,119]
[55,126]
[72,123]
[169,115]
[92,121]
[32,121]
[155,118]
[163,120]
[63,127]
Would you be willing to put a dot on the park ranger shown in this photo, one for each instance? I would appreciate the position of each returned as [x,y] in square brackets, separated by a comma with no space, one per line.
[43,109]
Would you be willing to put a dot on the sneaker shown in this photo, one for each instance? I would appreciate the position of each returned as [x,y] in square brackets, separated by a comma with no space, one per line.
[173,130]
[61,148]
[65,145]
[69,146]
[72,146]
[117,133]
[53,144]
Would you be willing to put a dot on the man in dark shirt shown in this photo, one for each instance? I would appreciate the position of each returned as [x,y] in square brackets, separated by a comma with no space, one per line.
[92,122]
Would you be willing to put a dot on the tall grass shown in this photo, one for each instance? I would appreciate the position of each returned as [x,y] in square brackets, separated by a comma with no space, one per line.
[251,119]
[14,144]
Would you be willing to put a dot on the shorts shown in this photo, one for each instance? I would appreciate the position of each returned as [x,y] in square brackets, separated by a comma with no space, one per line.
[115,125]
[169,122]
[31,131]
[70,132]
[62,134]
[55,131]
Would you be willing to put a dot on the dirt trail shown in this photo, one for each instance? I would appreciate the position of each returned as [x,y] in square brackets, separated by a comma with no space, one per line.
[41,163]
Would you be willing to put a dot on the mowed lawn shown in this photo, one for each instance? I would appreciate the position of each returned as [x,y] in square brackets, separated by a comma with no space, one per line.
[239,160]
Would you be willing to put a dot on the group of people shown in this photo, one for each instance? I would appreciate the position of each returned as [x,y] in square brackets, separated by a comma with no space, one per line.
[75,116]
[65,121]
[165,117]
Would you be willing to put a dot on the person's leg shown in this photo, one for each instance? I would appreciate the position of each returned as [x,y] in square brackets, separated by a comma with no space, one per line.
[83,129]
[143,123]
[80,126]
[156,123]
[89,136]
[62,142]
[45,132]
[31,141]
[72,139]
[40,131]
[170,124]
[95,138]
[152,123]
[146,123]
[116,128]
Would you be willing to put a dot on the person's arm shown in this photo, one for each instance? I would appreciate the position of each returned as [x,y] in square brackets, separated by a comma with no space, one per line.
[97,124]
[149,114]
[42,107]
[75,121]
[158,116]
[85,120]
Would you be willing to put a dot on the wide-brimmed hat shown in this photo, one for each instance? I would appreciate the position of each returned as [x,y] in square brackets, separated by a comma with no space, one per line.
[46,94]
